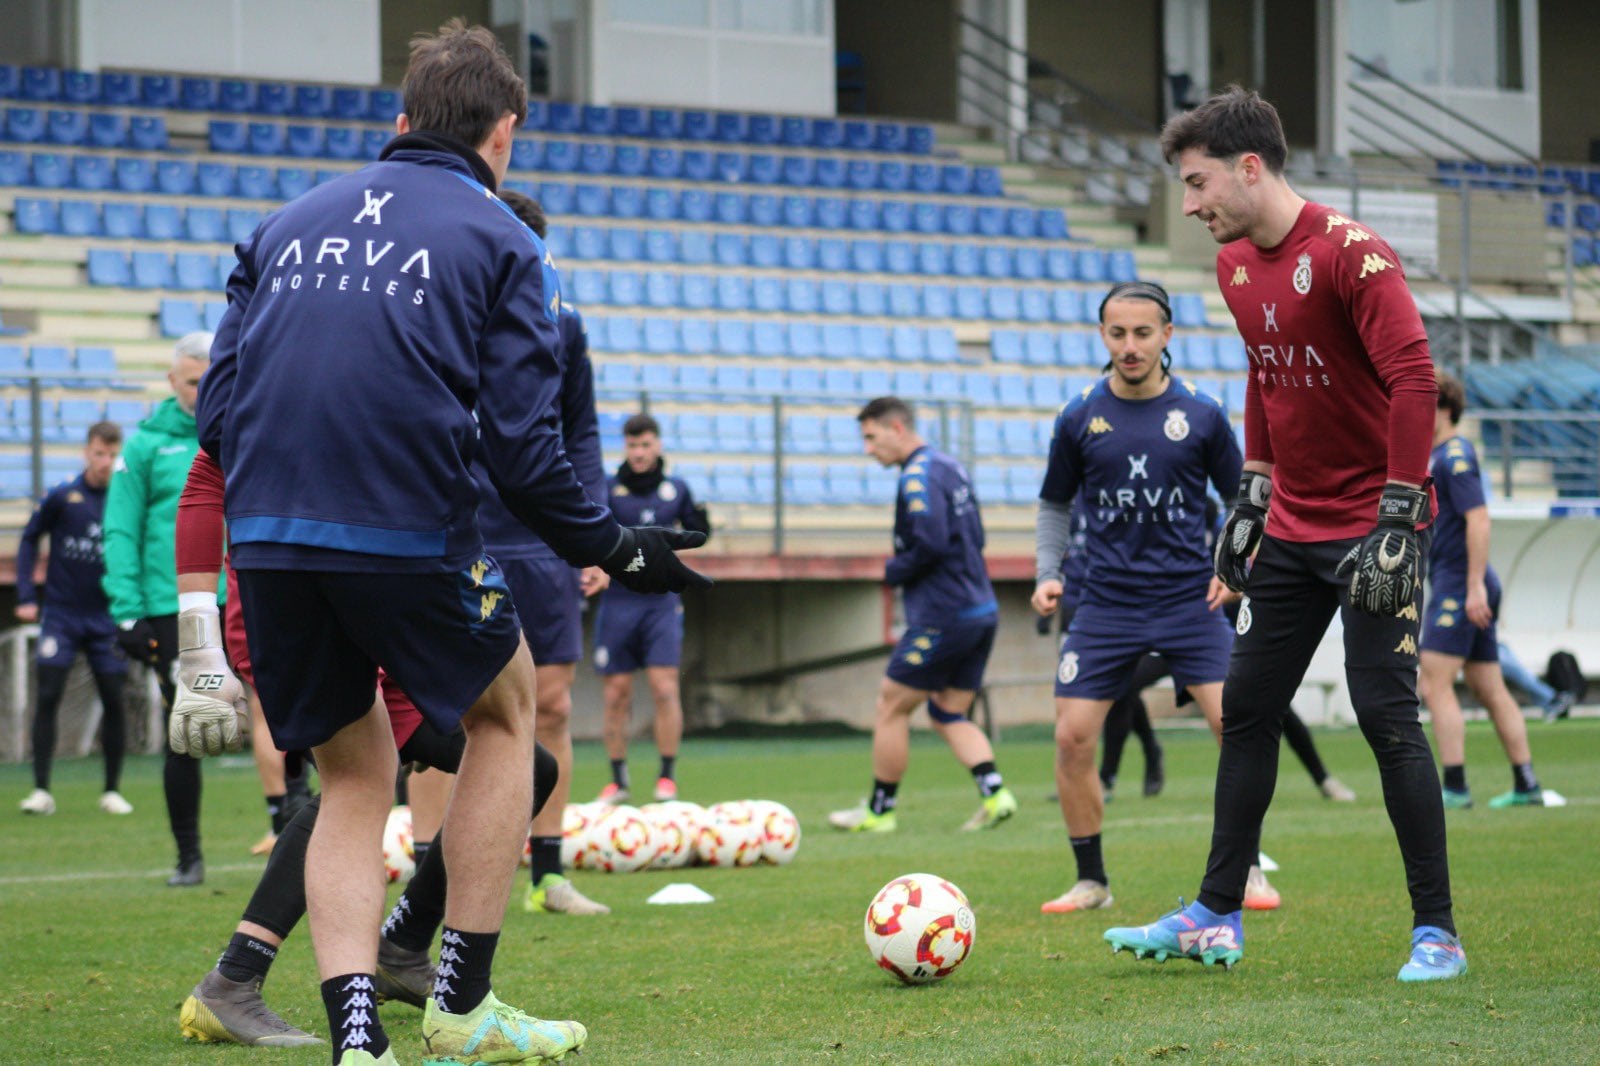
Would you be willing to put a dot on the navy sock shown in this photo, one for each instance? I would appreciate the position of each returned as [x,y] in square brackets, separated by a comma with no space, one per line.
[465,960]
[1091,865]
[353,1024]
[883,796]
[246,958]
[669,766]
[1523,778]
[987,778]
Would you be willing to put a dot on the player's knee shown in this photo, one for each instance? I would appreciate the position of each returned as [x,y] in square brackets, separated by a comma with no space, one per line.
[942,717]
[664,692]
[555,705]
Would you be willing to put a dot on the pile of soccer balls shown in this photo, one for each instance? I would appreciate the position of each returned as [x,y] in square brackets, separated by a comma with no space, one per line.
[660,836]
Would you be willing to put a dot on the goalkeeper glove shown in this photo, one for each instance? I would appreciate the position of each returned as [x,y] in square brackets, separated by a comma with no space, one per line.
[646,560]
[1385,569]
[1241,533]
[209,715]
[137,639]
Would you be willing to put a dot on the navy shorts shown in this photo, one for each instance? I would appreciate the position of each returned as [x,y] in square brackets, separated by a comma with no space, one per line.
[62,633]
[1100,651]
[317,639]
[1447,630]
[550,604]
[629,638]
[932,659]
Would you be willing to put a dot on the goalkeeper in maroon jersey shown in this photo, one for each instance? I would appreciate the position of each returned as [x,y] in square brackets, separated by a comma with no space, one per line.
[1333,506]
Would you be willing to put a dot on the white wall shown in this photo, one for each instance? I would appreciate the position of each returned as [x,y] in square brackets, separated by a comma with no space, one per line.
[305,40]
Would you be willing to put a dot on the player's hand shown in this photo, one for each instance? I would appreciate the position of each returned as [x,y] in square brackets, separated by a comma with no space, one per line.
[209,714]
[592,581]
[27,612]
[646,560]
[1478,612]
[1241,533]
[1220,595]
[1047,597]
[137,639]
[1385,569]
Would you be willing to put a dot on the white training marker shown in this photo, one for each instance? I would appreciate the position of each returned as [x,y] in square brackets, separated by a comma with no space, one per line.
[1552,798]
[678,892]
[1266,864]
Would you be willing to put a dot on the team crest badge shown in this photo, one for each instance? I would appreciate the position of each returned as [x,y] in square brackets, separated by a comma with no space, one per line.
[1302,274]
[667,491]
[48,647]
[1068,671]
[602,657]
[1242,626]
[1177,425]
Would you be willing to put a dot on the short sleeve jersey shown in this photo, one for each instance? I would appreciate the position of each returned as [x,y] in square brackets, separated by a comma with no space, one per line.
[1327,320]
[1142,466]
[1458,481]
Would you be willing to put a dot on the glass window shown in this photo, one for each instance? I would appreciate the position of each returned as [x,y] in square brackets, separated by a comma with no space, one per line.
[1400,39]
[1465,44]
[787,18]
[687,13]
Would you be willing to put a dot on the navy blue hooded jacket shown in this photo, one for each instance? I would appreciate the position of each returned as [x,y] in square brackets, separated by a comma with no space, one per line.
[938,543]
[367,320]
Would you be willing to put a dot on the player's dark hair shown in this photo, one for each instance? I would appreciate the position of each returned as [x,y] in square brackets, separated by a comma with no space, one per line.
[1452,395]
[460,82]
[105,432]
[888,409]
[1229,124]
[1141,290]
[640,424]
[528,209]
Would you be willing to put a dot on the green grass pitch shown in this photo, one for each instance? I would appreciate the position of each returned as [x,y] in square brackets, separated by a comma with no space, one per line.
[97,954]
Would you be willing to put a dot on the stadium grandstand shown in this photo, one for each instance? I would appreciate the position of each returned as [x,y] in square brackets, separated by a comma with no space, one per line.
[770,213]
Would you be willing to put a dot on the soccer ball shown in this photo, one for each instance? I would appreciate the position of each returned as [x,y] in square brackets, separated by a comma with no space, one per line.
[620,841]
[729,836]
[675,829]
[919,927]
[399,852]
[576,821]
[780,831]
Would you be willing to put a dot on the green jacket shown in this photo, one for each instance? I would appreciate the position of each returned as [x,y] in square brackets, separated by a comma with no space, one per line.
[142,514]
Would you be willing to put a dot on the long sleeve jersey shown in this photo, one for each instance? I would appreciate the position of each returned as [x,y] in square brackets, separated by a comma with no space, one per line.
[938,543]
[71,515]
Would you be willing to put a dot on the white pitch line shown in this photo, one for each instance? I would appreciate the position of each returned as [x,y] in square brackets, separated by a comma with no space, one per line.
[110,875]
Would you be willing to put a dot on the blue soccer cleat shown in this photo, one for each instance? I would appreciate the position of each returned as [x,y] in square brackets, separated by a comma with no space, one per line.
[1435,956]
[1191,932]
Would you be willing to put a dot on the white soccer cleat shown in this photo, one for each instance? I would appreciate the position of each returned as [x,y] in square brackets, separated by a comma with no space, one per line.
[113,803]
[1337,791]
[1259,895]
[1083,896]
[39,802]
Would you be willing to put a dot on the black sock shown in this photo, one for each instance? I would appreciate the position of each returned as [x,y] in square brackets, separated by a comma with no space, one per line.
[420,908]
[987,779]
[1455,778]
[669,766]
[465,960]
[1091,865]
[546,857]
[883,796]
[619,773]
[353,1024]
[419,850]
[1523,778]
[246,958]
[275,808]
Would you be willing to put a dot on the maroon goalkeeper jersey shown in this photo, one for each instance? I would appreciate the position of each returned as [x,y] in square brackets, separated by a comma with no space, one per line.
[1341,392]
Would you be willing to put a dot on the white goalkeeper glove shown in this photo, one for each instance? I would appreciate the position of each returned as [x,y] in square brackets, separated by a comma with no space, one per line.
[210,714]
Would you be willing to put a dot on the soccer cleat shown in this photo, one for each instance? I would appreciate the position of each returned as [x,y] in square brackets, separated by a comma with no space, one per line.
[666,790]
[555,894]
[113,803]
[39,802]
[1337,791]
[612,795]
[1155,773]
[1559,707]
[220,1011]
[1083,896]
[1259,895]
[994,810]
[862,820]
[188,874]
[1191,932]
[364,1058]
[1435,956]
[1457,799]
[265,845]
[403,974]
[494,1032]
[1518,798]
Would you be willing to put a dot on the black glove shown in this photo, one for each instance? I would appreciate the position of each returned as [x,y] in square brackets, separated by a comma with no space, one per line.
[645,560]
[137,639]
[1386,568]
[1242,531]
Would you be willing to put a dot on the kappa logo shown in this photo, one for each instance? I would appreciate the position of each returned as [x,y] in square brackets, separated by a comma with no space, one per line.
[1338,220]
[1407,646]
[923,643]
[487,606]
[1099,425]
[914,658]
[1446,620]
[1373,263]
[1409,613]
[914,485]
[479,569]
[917,506]
[1240,276]
[1355,236]
[636,564]
[1067,672]
[1208,938]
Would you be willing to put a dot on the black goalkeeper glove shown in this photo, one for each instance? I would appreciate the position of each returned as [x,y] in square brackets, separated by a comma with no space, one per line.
[1241,533]
[1385,569]
[137,639]
[646,560]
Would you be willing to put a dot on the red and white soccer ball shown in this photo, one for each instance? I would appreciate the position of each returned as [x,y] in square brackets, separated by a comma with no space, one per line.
[729,836]
[920,927]
[780,831]
[577,819]
[399,851]
[676,825]
[621,841]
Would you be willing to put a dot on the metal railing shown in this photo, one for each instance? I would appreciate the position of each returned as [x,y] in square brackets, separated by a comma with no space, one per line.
[1568,442]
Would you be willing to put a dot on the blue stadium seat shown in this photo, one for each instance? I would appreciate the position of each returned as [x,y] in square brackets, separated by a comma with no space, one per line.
[227,135]
[152,270]
[726,166]
[660,205]
[373,143]
[1188,310]
[1079,349]
[192,270]
[589,287]
[1120,266]
[216,179]
[344,142]
[51,170]
[996,261]
[730,250]
[990,221]
[13,168]
[895,216]
[955,179]
[1039,348]
[40,83]
[938,301]
[864,214]
[866,256]
[857,135]
[942,344]
[627,245]
[697,335]
[201,224]
[1091,265]
[733,292]
[861,174]
[1231,356]
[555,197]
[662,289]
[162,222]
[966,260]
[1035,305]
[802,296]
[796,210]
[908,344]
[827,133]
[197,94]
[1027,263]
[769,338]
[24,124]
[624,334]
[66,127]
[664,124]
[905,301]
[1067,306]
[107,130]
[933,258]
[731,208]
[733,336]
[108,266]
[661,336]
[240,224]
[959,220]
[765,211]
[258,183]
[660,246]
[302,141]
[872,299]
[841,381]
[122,220]
[797,170]
[78,87]
[235,96]
[348,102]
[659,378]
[794,132]
[1006,346]
[1060,264]
[91,172]
[838,297]
[872,344]
[696,165]
[919,139]
[762,169]
[986,181]
[175,177]
[80,218]
[899,257]
[799,253]
[626,288]
[178,317]
[147,132]
[118,88]
[594,157]
[828,173]
[1202,351]
[262,138]
[970,302]
[806,340]
[829,212]
[694,247]
[1003,303]
[593,201]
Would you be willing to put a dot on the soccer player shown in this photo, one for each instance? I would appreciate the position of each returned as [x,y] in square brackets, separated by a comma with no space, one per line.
[1140,445]
[538,577]
[1337,423]
[381,330]
[1458,630]
[951,616]
[75,616]
[633,632]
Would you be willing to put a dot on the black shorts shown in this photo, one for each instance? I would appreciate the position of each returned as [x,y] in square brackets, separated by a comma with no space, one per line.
[318,638]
